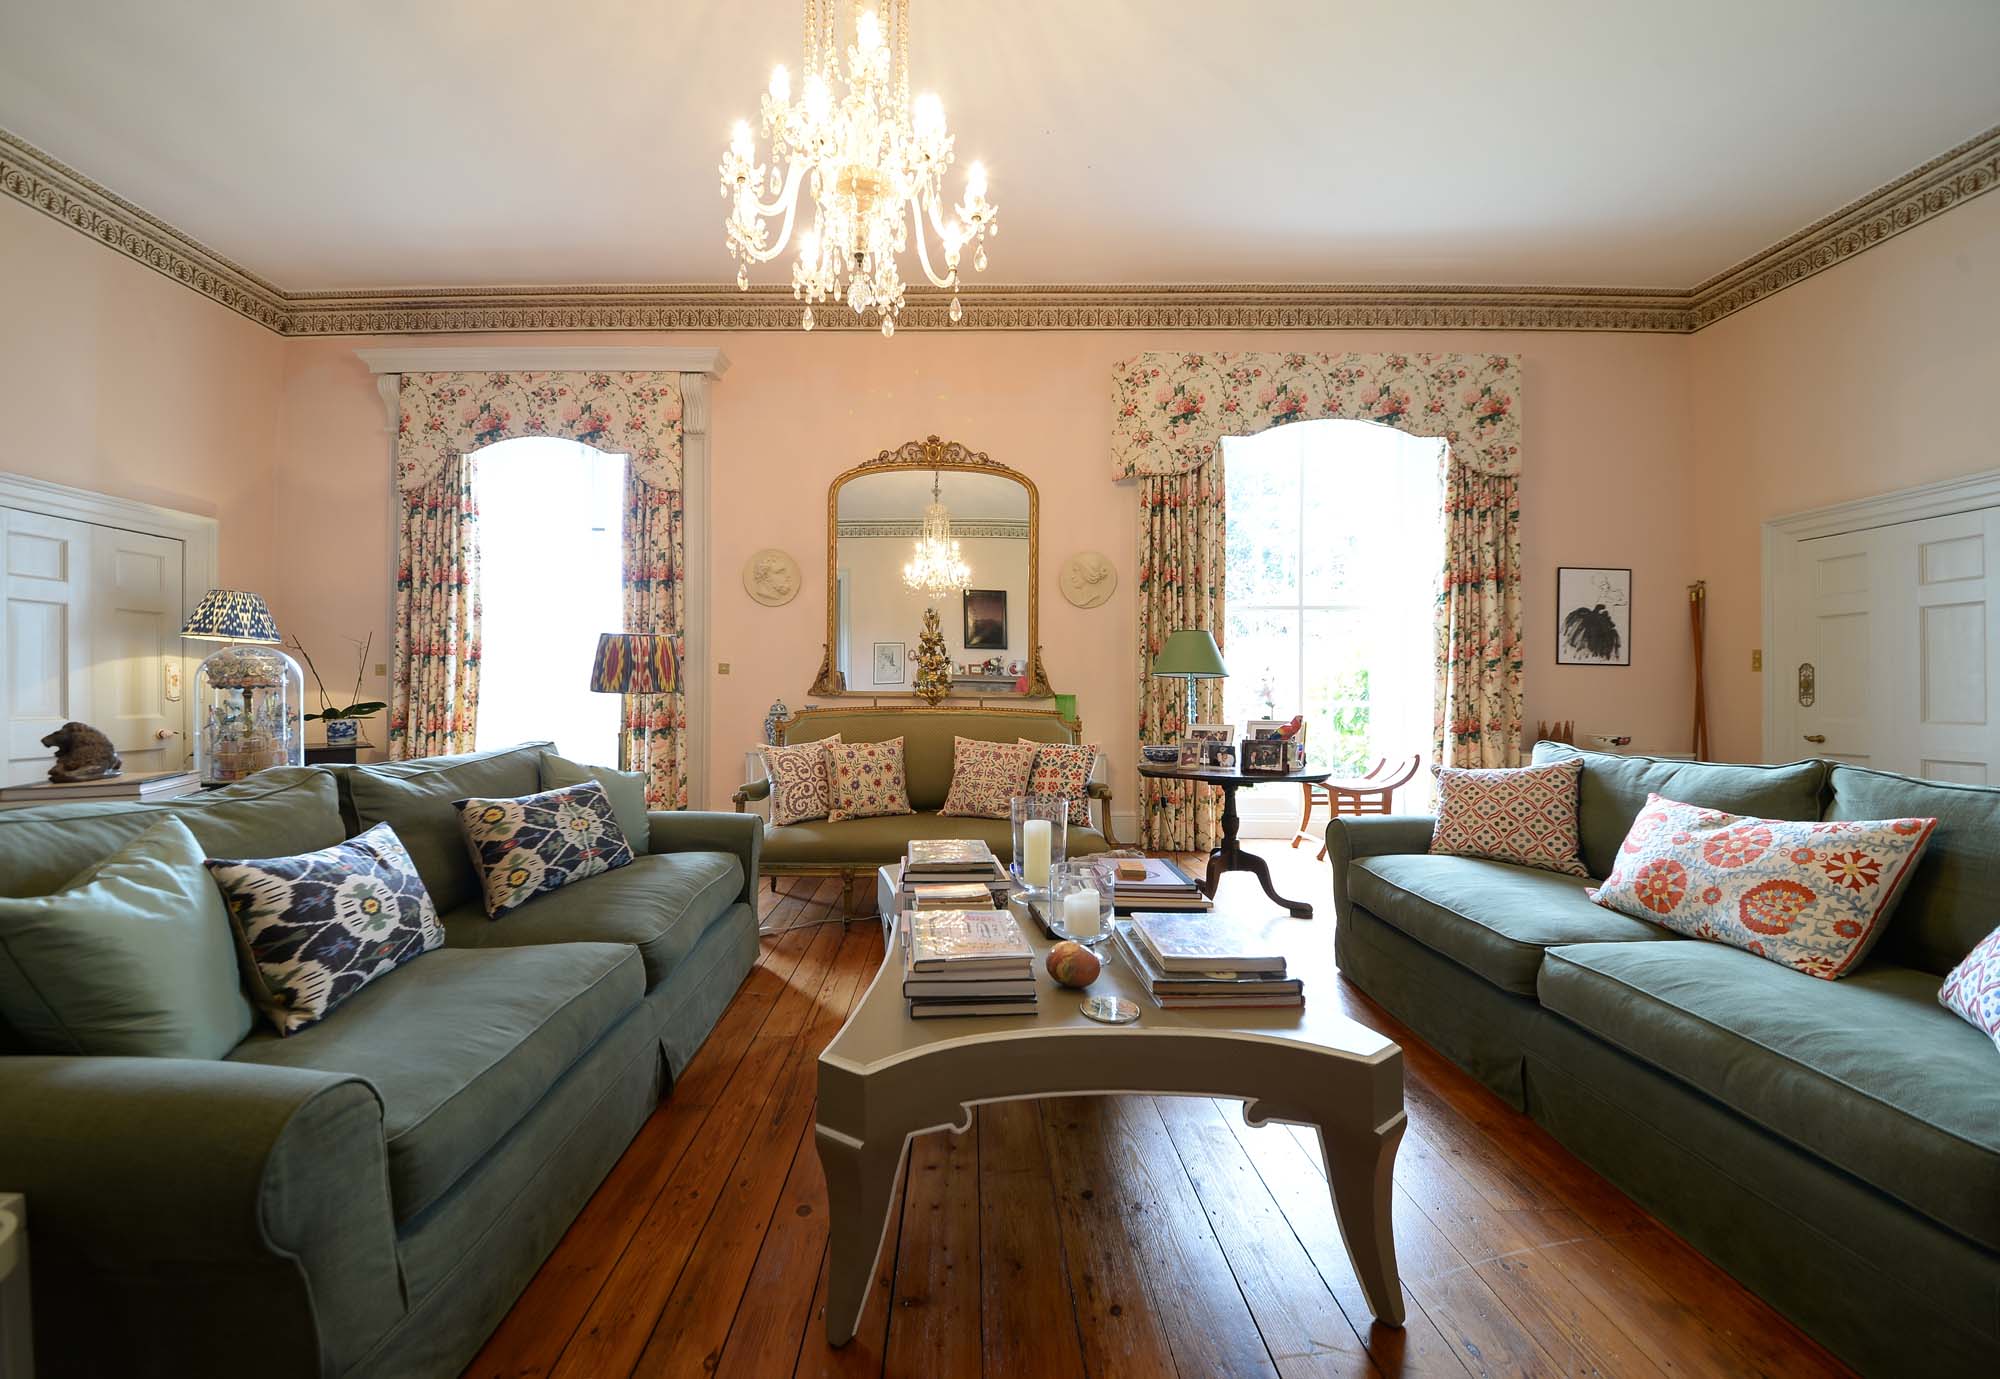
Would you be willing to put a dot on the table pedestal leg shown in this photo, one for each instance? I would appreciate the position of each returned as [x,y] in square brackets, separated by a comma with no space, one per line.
[1359,1168]
[1230,856]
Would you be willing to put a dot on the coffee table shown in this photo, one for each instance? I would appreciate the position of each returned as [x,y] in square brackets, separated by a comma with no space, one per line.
[1229,854]
[886,1077]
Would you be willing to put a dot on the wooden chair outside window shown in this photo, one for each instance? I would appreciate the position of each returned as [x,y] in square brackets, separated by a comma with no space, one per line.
[1369,794]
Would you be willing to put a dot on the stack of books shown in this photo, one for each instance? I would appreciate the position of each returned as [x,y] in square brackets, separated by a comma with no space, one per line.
[1197,962]
[952,874]
[1152,883]
[966,962]
[139,785]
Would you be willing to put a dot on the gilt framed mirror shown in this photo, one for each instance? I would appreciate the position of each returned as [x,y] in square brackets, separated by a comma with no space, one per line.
[932,524]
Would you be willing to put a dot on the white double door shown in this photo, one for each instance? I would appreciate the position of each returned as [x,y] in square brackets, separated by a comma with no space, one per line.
[1889,650]
[91,633]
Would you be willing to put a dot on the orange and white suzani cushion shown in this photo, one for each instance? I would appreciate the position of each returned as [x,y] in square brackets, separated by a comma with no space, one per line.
[1813,896]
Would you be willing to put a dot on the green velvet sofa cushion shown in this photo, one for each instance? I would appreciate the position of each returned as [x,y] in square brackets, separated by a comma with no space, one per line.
[627,790]
[415,799]
[1493,917]
[927,735]
[660,904]
[1952,900]
[1869,1074]
[1614,790]
[133,957]
[460,1046]
[873,842]
[275,813]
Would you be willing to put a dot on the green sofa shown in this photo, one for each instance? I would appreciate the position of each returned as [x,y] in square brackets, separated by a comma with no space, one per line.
[1834,1145]
[369,1195]
[852,848]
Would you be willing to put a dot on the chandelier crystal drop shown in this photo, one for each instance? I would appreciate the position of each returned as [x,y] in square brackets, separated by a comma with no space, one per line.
[936,568]
[872,164]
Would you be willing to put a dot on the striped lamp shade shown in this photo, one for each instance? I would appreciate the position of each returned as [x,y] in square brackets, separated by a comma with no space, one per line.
[635,663]
[232,615]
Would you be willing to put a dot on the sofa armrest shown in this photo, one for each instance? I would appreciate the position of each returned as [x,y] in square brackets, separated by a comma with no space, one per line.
[693,830]
[1099,792]
[217,1210]
[1350,838]
[752,790]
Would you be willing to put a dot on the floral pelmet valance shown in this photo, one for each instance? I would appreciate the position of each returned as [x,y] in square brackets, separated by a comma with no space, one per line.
[637,414]
[1172,410]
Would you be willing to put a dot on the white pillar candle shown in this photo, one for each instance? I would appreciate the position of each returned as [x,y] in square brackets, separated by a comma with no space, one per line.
[1036,844]
[1080,914]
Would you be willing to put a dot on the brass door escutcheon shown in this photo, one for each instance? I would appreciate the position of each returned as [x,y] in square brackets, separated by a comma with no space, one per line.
[1808,685]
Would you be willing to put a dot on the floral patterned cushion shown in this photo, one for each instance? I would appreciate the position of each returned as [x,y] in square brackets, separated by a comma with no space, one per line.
[799,786]
[318,927]
[1972,989]
[1809,895]
[986,776]
[1526,815]
[1063,768]
[537,843]
[866,779]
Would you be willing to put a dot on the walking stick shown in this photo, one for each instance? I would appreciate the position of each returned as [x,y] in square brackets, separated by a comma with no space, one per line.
[1697,619]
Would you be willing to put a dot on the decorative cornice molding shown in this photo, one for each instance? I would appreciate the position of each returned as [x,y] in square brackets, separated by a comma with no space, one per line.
[1971,169]
[961,527]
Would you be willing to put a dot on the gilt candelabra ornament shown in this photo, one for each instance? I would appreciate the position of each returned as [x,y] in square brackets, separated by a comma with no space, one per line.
[872,162]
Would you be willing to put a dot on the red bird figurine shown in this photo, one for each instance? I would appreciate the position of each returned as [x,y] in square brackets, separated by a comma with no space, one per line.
[1293,728]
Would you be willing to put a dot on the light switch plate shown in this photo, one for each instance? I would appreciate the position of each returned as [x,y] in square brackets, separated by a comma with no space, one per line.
[722,667]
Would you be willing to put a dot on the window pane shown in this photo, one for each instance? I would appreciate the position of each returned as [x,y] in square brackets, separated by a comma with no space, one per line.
[1262,482]
[1337,700]
[550,516]
[1262,654]
[1338,500]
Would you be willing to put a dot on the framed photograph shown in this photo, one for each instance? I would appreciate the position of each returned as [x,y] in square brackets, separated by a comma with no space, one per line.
[889,663]
[1190,752]
[1264,754]
[1593,616]
[1212,732]
[1218,754]
[1259,729]
[985,619]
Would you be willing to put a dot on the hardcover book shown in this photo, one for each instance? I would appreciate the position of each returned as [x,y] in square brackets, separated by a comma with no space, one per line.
[940,940]
[946,854]
[1207,943]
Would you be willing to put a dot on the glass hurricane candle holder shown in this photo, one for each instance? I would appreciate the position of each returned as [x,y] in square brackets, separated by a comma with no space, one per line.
[1080,905]
[1041,839]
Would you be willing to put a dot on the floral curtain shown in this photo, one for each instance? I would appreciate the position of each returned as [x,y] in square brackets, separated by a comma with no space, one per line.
[445,417]
[434,694]
[654,602]
[1171,411]
[1182,548]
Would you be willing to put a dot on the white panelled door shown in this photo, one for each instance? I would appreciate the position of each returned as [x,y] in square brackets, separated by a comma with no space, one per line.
[92,633]
[1889,650]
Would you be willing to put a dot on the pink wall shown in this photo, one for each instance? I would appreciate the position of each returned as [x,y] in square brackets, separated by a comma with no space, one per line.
[1871,377]
[1607,440]
[116,379]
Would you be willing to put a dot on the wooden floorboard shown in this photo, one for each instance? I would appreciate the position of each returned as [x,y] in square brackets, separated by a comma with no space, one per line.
[1107,1238]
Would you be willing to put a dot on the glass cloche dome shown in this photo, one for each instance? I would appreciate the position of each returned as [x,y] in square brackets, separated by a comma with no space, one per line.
[248,695]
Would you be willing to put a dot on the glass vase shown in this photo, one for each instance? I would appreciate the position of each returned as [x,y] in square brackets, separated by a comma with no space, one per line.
[1041,839]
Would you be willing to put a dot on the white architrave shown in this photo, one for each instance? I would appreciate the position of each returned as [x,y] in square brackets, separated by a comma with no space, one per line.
[1969,493]
[698,369]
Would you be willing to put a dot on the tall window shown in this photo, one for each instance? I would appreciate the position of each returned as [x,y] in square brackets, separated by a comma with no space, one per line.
[550,580]
[1335,545]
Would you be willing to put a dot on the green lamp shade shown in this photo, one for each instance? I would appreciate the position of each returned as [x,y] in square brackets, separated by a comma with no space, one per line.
[1193,653]
[635,663]
[232,615]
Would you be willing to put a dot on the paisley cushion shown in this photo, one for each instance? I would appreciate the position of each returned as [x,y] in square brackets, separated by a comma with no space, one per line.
[986,776]
[1814,896]
[1527,815]
[320,926]
[799,785]
[536,843]
[1063,768]
[867,779]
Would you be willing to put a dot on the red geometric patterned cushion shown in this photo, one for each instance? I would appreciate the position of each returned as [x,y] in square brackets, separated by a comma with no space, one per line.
[1063,768]
[1812,896]
[986,776]
[1525,815]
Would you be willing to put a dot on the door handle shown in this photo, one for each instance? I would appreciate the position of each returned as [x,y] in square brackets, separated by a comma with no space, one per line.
[1815,737]
[165,734]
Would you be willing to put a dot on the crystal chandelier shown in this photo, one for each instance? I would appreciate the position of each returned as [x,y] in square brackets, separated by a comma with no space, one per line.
[872,162]
[936,568]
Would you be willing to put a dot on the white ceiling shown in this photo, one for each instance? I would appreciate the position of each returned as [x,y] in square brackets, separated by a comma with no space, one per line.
[410,143]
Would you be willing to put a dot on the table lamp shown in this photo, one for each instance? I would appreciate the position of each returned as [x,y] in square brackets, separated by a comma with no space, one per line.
[249,694]
[637,663]
[1193,655]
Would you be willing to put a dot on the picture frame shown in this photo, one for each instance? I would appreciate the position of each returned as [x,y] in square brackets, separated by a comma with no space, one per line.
[1265,754]
[1220,755]
[1212,732]
[1190,753]
[889,663]
[1258,729]
[1593,615]
[985,619]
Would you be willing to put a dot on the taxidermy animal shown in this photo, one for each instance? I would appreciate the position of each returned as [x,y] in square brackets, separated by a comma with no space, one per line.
[1591,632]
[82,753]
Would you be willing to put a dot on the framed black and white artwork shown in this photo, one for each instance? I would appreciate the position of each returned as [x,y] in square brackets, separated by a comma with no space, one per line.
[889,663]
[1593,616]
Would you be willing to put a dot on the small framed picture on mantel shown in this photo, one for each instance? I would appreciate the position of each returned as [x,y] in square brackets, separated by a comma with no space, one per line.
[1593,616]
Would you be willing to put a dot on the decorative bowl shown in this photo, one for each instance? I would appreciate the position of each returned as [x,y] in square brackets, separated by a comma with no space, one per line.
[1161,756]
